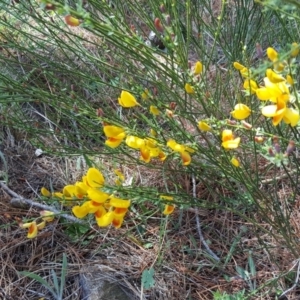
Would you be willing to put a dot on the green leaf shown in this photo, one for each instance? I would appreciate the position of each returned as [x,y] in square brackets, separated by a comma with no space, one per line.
[40,280]
[147,278]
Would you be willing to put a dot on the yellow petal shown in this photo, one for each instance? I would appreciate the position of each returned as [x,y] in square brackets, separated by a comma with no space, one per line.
[227,135]
[113,131]
[189,89]
[269,110]
[45,192]
[241,111]
[198,68]
[272,54]
[114,142]
[168,209]
[100,212]
[127,100]
[291,116]
[235,162]
[32,230]
[238,66]
[203,126]
[97,196]
[120,203]
[263,94]
[168,198]
[134,142]
[250,85]
[117,222]
[290,79]
[47,215]
[232,144]
[41,225]
[186,158]
[94,178]
[154,110]
[145,154]
[274,77]
[80,211]
[106,219]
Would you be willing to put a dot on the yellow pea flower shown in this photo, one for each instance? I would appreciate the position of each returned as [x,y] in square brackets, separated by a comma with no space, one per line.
[154,110]
[47,215]
[238,66]
[168,208]
[295,50]
[250,85]
[241,111]
[32,229]
[134,142]
[114,134]
[235,162]
[274,77]
[120,203]
[198,68]
[97,195]
[127,100]
[272,54]
[106,219]
[189,89]
[94,178]
[203,126]
[45,192]
[81,211]
[228,140]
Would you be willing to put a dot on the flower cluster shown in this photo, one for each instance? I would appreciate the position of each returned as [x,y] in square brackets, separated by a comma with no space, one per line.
[148,147]
[34,226]
[276,89]
[107,209]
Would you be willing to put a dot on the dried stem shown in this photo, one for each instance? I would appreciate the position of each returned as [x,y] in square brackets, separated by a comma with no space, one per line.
[18,200]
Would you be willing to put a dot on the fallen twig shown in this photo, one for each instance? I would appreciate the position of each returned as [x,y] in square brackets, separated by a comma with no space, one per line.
[19,201]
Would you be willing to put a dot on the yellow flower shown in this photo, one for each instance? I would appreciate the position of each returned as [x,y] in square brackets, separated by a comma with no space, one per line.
[94,178]
[134,142]
[32,229]
[114,134]
[106,219]
[228,140]
[295,50]
[127,100]
[274,77]
[154,110]
[189,89]
[168,208]
[235,162]
[273,91]
[45,192]
[97,195]
[120,203]
[198,68]
[47,215]
[279,112]
[81,211]
[250,85]
[183,150]
[238,66]
[145,94]
[203,126]
[241,111]
[272,54]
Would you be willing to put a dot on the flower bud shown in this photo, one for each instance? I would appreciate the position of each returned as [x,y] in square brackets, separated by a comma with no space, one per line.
[290,148]
[158,25]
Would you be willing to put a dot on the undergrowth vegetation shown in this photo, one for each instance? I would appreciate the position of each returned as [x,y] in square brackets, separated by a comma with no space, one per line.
[169,106]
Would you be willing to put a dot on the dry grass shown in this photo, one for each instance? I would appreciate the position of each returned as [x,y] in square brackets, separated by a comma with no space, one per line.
[182,269]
